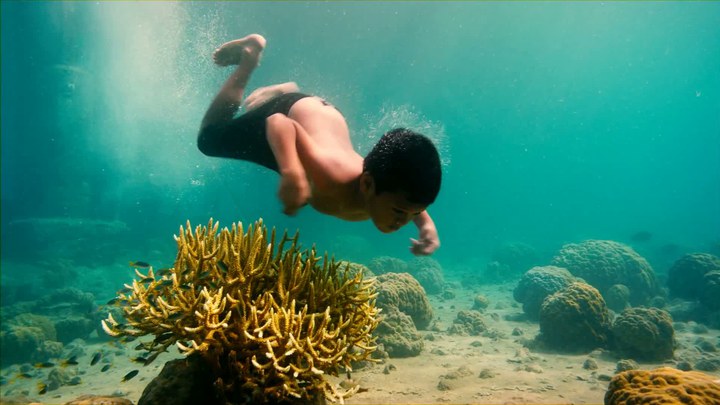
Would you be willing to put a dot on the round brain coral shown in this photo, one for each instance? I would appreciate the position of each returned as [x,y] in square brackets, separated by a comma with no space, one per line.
[645,334]
[428,272]
[387,264]
[536,284]
[662,386]
[710,290]
[574,319]
[404,292]
[685,277]
[604,263]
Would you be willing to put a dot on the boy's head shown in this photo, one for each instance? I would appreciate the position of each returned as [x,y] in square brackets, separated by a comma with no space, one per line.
[401,177]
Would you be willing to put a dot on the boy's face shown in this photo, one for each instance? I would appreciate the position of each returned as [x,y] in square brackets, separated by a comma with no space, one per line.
[390,211]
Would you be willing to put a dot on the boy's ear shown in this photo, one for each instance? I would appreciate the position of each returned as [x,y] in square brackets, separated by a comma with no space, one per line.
[367,184]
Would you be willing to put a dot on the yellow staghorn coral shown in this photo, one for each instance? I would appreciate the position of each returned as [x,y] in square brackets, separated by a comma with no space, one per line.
[271,321]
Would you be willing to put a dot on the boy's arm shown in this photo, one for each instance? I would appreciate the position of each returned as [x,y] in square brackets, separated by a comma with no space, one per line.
[428,241]
[282,134]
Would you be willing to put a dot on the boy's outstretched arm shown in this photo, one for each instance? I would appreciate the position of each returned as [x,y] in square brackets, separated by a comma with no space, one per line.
[428,240]
[282,135]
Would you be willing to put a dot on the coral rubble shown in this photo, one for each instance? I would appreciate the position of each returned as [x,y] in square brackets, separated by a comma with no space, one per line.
[269,321]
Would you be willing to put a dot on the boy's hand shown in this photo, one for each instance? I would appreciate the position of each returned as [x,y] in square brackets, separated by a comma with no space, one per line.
[427,244]
[294,193]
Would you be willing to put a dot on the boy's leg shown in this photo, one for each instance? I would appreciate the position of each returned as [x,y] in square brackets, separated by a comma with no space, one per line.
[263,94]
[245,53]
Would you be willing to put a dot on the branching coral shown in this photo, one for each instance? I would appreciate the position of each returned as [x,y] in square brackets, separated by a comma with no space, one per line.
[270,321]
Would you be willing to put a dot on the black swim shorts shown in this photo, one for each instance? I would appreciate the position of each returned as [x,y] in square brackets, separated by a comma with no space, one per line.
[244,137]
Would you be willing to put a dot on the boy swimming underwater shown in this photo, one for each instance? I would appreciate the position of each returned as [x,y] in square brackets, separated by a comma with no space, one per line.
[306,140]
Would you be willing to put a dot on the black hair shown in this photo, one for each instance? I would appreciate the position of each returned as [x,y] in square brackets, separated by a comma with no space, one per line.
[406,161]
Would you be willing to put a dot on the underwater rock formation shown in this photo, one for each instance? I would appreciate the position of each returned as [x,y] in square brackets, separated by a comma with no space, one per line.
[644,334]
[269,321]
[662,386]
[574,319]
[428,272]
[23,338]
[398,335]
[685,277]
[538,283]
[604,263]
[404,292]
[387,264]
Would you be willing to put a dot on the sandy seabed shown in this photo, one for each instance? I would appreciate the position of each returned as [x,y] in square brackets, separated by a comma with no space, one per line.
[451,369]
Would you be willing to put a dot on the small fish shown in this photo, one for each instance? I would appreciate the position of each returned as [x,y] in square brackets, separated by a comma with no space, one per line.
[105,368]
[113,301]
[163,337]
[72,361]
[46,364]
[175,316]
[128,339]
[130,375]
[139,264]
[642,236]
[95,358]
[24,375]
[165,283]
[42,388]
[139,359]
[147,279]
[163,272]
[222,266]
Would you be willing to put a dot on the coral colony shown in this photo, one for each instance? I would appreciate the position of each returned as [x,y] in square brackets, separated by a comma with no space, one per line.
[271,322]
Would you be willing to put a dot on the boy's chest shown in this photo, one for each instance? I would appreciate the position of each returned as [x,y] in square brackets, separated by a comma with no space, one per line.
[336,206]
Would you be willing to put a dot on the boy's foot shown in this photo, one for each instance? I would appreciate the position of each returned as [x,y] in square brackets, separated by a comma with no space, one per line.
[231,53]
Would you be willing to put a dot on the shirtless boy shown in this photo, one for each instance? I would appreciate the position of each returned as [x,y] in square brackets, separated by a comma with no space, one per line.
[307,141]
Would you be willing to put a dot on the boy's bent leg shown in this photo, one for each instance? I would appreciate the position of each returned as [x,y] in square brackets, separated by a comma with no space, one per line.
[263,94]
[245,53]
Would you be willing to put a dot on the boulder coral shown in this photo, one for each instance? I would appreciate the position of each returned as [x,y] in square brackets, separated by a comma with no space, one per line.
[604,263]
[403,292]
[710,290]
[685,277]
[574,319]
[398,335]
[428,272]
[538,283]
[468,323]
[617,297]
[664,385]
[387,264]
[644,334]
[516,257]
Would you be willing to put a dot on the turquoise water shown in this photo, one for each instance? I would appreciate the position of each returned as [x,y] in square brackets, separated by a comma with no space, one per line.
[557,122]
